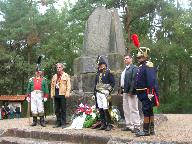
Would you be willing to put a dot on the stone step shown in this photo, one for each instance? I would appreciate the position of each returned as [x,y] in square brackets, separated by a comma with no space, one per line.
[18,140]
[17,135]
[66,136]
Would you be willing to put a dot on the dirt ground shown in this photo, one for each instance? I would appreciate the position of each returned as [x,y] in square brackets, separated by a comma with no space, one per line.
[178,128]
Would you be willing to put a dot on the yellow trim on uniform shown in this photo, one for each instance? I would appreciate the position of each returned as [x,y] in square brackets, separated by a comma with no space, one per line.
[149,64]
[141,89]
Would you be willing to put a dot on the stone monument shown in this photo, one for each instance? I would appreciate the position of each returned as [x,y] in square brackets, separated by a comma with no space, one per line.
[103,36]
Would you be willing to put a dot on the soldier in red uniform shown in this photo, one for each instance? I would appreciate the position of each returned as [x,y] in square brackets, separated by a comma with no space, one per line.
[37,94]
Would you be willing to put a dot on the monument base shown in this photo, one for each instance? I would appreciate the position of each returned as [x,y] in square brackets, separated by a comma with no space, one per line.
[87,64]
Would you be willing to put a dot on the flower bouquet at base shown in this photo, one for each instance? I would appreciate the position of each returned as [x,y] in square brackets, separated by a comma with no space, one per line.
[92,117]
[85,116]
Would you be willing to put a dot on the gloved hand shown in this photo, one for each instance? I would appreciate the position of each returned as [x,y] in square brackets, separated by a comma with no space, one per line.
[105,92]
[28,99]
[93,97]
[44,99]
[109,97]
[150,96]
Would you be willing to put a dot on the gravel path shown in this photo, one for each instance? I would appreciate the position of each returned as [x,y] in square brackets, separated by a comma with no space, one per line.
[178,128]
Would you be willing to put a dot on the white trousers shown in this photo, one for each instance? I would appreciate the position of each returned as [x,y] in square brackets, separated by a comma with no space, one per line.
[131,112]
[37,105]
[102,101]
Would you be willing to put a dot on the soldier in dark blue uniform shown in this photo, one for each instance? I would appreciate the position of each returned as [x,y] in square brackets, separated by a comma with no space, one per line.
[104,84]
[147,90]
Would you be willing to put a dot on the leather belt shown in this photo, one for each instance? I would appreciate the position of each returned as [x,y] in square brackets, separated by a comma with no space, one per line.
[37,91]
[141,89]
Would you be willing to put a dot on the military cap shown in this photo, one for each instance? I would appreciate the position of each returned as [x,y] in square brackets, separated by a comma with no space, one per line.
[100,60]
[143,51]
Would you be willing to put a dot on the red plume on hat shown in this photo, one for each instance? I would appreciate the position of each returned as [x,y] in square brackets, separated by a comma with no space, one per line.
[142,51]
[135,40]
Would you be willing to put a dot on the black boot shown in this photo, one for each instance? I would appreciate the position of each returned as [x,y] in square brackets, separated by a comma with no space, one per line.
[42,122]
[145,131]
[152,131]
[34,121]
[108,120]
[103,126]
[102,117]
[109,127]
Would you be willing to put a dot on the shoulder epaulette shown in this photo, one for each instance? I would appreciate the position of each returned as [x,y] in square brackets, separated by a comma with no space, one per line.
[112,71]
[149,64]
[108,69]
[31,79]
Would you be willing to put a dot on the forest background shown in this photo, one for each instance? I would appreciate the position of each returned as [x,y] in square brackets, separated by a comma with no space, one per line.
[165,26]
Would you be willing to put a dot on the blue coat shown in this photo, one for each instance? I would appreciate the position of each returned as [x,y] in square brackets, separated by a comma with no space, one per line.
[146,78]
[107,78]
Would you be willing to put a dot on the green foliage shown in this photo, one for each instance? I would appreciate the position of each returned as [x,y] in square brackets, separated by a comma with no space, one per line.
[24,110]
[177,104]
[89,121]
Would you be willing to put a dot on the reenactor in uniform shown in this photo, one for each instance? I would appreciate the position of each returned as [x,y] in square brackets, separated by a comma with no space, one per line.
[146,87]
[37,94]
[147,90]
[104,84]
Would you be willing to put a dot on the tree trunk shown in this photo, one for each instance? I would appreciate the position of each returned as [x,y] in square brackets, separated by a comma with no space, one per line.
[127,21]
[29,55]
[183,79]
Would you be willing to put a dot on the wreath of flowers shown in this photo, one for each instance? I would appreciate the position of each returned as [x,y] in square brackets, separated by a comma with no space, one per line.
[86,114]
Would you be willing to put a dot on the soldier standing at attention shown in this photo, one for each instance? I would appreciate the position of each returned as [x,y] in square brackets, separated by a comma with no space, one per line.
[37,94]
[104,84]
[147,88]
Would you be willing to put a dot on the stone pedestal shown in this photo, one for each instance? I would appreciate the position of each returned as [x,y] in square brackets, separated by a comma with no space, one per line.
[87,64]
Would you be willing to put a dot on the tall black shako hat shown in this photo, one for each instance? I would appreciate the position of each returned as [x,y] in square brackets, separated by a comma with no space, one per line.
[100,60]
[38,64]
